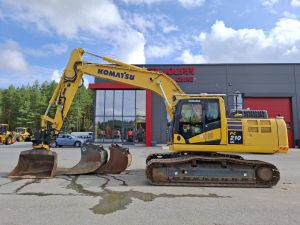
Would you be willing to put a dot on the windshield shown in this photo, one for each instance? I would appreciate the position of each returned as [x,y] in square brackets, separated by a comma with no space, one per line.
[20,130]
[3,128]
[191,112]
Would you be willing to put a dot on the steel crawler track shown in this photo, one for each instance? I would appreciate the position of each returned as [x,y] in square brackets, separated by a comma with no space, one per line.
[209,169]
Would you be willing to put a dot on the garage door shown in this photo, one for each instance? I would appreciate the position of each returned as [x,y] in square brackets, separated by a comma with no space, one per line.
[275,107]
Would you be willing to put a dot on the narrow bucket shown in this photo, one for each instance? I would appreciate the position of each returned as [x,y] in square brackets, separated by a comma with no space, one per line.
[35,163]
[92,157]
[119,160]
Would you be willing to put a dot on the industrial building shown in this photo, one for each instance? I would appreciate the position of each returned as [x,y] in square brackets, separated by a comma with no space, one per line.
[127,115]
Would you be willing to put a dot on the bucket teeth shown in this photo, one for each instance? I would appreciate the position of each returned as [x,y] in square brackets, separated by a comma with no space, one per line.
[35,163]
[119,160]
[92,157]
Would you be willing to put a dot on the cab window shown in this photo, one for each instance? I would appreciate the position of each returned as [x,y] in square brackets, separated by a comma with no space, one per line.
[191,112]
[190,123]
[212,112]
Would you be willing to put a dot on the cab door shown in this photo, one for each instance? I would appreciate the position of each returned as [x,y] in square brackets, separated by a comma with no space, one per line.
[212,122]
[191,121]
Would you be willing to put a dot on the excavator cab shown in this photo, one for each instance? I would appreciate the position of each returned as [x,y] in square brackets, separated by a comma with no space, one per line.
[194,118]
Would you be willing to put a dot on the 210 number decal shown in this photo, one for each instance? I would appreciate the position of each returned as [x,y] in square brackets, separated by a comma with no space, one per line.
[235,137]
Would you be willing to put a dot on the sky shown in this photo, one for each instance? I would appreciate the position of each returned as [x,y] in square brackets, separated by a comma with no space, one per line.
[36,37]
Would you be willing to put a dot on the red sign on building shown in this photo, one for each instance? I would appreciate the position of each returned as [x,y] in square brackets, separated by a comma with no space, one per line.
[179,74]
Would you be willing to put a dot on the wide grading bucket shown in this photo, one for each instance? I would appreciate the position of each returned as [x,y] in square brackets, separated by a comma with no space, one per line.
[35,163]
[119,160]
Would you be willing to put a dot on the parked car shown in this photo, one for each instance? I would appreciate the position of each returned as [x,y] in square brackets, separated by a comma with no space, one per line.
[67,140]
[87,136]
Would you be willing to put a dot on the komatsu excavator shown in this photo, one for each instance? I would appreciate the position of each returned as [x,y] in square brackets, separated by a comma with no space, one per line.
[200,132]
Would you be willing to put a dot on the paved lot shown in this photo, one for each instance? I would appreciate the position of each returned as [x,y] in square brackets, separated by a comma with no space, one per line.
[128,199]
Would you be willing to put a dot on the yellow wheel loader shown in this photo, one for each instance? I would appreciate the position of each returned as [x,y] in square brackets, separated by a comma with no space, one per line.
[6,137]
[22,134]
[201,133]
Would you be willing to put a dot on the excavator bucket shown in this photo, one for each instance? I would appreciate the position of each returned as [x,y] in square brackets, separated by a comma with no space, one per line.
[119,160]
[92,158]
[35,163]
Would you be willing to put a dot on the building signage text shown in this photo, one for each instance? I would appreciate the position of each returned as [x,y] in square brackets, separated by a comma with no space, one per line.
[179,74]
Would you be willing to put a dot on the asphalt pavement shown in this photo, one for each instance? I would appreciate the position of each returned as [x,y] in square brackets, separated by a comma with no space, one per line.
[128,198]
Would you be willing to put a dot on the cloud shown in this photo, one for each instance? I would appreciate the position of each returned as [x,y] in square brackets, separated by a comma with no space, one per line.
[135,46]
[48,49]
[137,2]
[56,75]
[67,17]
[227,45]
[159,51]
[14,69]
[56,48]
[31,74]
[76,19]
[141,22]
[12,58]
[1,15]
[165,23]
[170,28]
[191,3]
[269,3]
[295,3]
[187,57]
[165,47]
[184,3]
[150,22]
[287,14]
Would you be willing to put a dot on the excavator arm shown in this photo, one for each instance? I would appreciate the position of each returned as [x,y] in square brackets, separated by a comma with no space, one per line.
[69,83]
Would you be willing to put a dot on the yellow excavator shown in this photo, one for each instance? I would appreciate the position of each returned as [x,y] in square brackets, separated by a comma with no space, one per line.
[201,134]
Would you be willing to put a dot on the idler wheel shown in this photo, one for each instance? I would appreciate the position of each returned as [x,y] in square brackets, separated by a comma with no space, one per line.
[264,173]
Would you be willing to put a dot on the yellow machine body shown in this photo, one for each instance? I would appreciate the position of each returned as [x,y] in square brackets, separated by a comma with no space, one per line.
[22,134]
[252,135]
[6,136]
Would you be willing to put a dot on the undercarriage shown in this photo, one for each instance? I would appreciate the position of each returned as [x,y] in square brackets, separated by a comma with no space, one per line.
[209,169]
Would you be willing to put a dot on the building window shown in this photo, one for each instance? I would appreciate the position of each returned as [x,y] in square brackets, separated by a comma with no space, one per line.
[120,116]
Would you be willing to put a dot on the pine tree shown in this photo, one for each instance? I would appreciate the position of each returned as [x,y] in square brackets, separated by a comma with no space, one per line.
[23,106]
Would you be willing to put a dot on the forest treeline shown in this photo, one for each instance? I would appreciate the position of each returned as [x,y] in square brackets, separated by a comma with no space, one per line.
[23,107]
